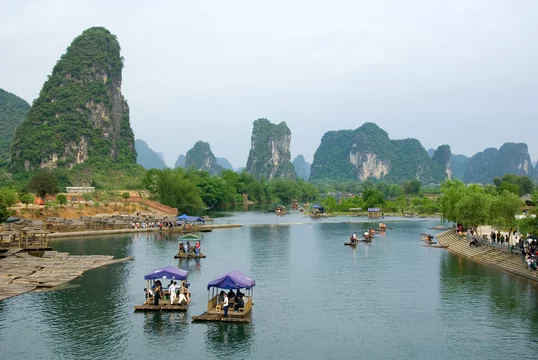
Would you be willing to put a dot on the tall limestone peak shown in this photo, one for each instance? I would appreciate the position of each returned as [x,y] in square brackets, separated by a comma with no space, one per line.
[13,110]
[511,158]
[80,115]
[368,152]
[269,155]
[200,157]
[442,156]
[302,167]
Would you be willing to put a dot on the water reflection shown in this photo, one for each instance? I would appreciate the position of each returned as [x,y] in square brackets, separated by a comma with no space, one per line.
[504,295]
[270,249]
[165,323]
[99,305]
[229,340]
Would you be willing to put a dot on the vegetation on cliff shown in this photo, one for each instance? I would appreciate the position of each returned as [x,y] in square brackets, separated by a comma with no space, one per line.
[269,155]
[147,157]
[13,110]
[511,158]
[458,164]
[80,114]
[200,157]
[368,153]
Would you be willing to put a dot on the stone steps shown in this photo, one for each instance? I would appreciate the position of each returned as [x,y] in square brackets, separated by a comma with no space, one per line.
[486,255]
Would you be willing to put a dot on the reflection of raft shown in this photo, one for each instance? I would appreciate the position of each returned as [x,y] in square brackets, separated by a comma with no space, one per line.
[163,307]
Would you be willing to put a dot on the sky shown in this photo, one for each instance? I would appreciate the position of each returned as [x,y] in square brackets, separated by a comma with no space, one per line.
[458,72]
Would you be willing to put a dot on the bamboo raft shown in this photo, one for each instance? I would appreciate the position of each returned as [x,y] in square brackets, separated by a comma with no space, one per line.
[429,242]
[439,246]
[163,307]
[189,256]
[351,243]
[232,317]
[21,272]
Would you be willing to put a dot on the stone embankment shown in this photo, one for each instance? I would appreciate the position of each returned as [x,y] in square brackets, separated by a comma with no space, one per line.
[487,255]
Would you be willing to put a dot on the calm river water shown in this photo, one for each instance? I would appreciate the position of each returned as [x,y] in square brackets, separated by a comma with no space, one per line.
[315,298]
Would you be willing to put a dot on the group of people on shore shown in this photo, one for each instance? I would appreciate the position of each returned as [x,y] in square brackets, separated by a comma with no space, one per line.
[237,299]
[188,249]
[161,224]
[529,254]
[177,294]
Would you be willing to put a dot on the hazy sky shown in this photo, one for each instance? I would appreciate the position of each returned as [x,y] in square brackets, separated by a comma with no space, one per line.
[459,72]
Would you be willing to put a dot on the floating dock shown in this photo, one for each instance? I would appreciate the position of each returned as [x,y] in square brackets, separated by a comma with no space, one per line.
[21,272]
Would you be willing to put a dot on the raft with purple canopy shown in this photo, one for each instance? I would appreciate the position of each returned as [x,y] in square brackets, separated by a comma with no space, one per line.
[233,280]
[165,273]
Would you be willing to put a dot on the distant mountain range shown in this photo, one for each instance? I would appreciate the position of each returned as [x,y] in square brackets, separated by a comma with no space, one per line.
[147,157]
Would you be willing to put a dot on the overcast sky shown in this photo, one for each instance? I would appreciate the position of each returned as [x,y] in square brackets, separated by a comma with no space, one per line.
[459,72]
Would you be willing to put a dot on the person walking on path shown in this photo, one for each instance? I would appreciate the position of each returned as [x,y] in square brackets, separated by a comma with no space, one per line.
[225,305]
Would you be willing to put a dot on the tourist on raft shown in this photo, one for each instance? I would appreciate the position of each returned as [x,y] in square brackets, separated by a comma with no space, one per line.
[197,248]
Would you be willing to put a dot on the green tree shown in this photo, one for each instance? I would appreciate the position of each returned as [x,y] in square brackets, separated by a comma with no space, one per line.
[372,197]
[8,196]
[330,204]
[44,183]
[61,199]
[126,196]
[27,199]
[452,192]
[473,209]
[504,209]
[4,213]
[411,187]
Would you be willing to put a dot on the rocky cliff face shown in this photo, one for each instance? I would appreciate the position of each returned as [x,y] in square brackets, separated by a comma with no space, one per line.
[200,157]
[367,152]
[269,155]
[302,168]
[146,157]
[511,158]
[459,164]
[442,157]
[80,115]
[13,110]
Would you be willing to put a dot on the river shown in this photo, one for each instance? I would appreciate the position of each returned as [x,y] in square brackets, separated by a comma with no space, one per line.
[314,298]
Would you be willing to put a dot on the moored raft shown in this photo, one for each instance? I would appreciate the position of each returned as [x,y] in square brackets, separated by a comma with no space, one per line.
[234,280]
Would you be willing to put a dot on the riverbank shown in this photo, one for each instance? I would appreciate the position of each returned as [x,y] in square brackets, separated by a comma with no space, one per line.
[21,273]
[201,228]
[486,255]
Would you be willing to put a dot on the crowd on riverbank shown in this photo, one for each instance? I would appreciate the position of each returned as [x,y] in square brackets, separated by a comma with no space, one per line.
[516,244]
